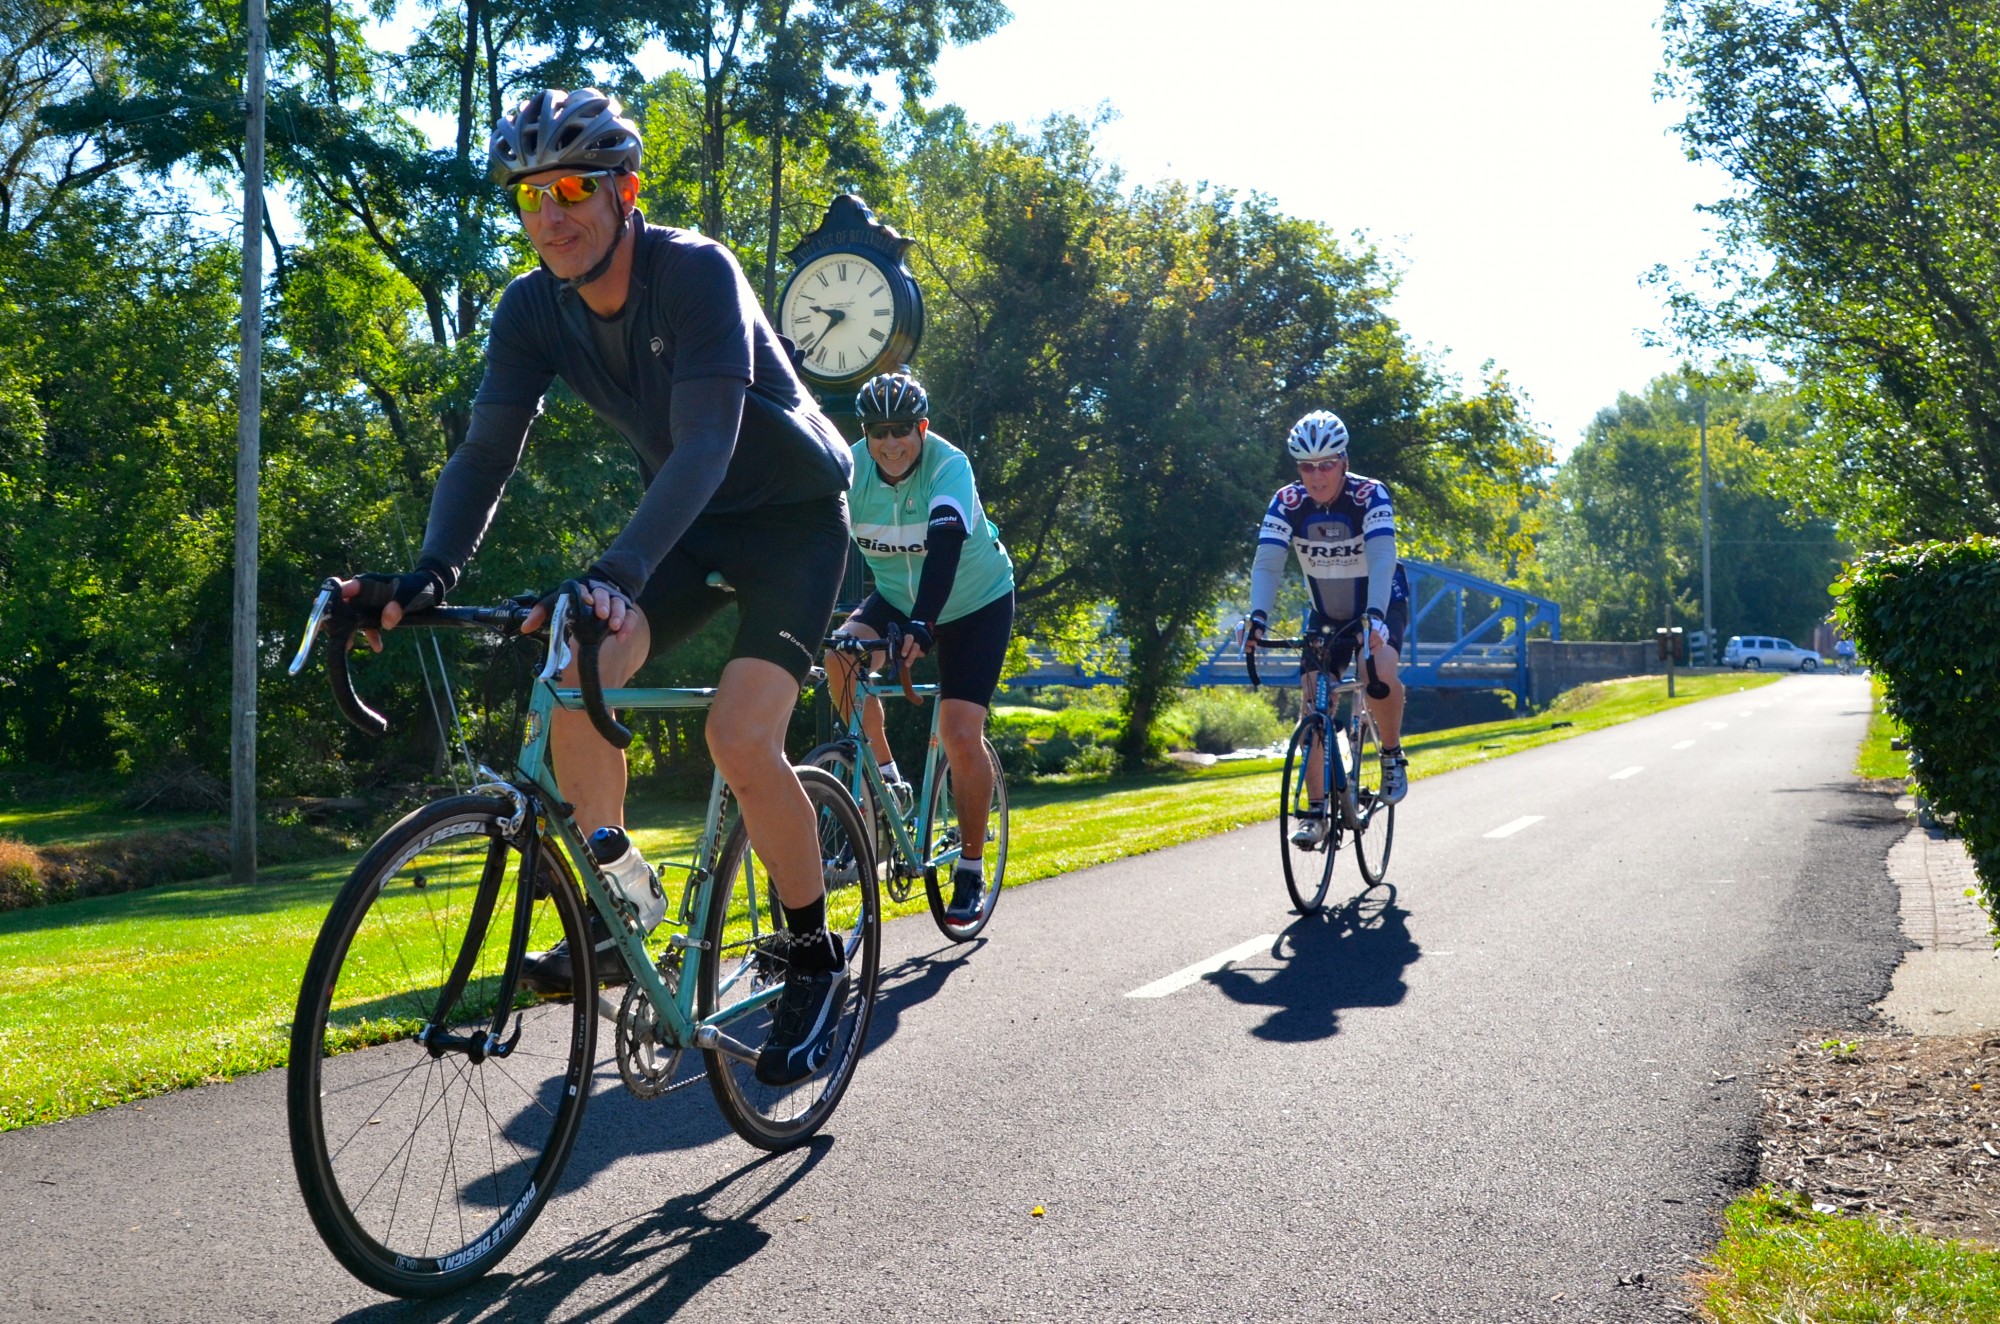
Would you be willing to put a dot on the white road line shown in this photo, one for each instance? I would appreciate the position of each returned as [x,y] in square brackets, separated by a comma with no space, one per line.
[1623,773]
[1716,726]
[1180,979]
[1685,744]
[1509,829]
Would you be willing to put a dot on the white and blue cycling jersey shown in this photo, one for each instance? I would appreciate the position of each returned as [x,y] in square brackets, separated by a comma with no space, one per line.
[1347,549]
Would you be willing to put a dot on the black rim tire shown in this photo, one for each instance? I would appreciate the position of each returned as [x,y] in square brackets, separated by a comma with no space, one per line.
[942,818]
[346,1094]
[1376,836]
[1308,873]
[737,961]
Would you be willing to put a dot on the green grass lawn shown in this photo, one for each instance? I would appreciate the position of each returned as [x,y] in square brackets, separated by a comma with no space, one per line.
[121,997]
[1877,759]
[1782,1263]
[80,822]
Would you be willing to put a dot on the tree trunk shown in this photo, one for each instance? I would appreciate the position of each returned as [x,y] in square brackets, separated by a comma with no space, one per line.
[777,203]
[467,67]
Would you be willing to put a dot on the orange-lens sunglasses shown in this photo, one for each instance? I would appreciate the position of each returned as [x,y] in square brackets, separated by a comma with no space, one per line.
[567,191]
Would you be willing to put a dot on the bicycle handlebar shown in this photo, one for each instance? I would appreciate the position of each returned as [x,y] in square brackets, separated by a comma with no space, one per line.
[891,643]
[1376,686]
[338,619]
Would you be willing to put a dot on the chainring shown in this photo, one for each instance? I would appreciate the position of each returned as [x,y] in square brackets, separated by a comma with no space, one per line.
[646,1063]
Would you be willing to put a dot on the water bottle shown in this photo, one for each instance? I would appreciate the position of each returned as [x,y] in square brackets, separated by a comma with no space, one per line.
[628,875]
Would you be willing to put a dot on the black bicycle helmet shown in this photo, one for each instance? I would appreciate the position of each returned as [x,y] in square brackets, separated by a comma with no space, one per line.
[892,397]
[558,130]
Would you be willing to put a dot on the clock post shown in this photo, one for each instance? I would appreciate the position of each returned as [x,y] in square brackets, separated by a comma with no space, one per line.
[851,305]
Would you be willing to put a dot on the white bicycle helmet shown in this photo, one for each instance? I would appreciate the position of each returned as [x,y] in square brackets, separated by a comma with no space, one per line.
[558,130]
[1320,435]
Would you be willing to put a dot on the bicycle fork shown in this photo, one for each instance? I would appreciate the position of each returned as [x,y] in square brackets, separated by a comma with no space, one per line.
[478,1046]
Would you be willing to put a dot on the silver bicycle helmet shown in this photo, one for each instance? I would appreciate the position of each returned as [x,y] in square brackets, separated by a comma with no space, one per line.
[892,397]
[558,130]
[1320,435]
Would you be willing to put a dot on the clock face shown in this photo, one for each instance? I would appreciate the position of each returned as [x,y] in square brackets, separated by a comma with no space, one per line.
[841,309]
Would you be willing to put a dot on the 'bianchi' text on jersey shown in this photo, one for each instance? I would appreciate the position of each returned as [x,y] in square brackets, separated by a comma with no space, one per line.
[1331,540]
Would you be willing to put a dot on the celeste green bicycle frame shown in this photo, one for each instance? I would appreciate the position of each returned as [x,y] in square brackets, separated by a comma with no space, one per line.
[907,829]
[674,1006]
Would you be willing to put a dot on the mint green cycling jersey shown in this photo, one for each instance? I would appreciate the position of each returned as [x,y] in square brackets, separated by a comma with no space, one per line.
[891,523]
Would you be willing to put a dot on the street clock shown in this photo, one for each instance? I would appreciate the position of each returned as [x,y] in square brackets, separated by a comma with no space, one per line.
[851,304]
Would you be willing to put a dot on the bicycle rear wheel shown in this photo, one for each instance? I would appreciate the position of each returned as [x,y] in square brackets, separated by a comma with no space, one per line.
[422,1168]
[742,961]
[1308,869]
[1376,816]
[942,833]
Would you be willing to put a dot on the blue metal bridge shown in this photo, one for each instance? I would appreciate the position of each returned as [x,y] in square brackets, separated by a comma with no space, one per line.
[1465,633]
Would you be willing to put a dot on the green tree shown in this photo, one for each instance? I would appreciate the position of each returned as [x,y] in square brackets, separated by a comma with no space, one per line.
[1861,244]
[1624,545]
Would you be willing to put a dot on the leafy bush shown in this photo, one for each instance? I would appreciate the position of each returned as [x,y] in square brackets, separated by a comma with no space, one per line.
[1926,619]
[1225,719]
[1035,742]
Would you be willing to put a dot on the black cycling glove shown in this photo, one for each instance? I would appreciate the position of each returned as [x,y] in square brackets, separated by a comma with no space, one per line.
[415,591]
[920,632]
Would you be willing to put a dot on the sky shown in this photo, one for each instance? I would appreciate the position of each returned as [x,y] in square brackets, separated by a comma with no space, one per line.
[1509,153]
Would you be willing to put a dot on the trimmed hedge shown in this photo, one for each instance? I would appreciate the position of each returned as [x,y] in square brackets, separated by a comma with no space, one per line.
[1926,618]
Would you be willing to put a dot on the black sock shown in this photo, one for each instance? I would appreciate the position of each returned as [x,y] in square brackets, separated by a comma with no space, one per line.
[808,918]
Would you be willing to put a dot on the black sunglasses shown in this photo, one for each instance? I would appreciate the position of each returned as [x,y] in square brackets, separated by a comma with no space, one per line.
[884,431]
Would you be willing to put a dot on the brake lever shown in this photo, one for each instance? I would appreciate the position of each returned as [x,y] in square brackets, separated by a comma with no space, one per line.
[327,590]
[559,650]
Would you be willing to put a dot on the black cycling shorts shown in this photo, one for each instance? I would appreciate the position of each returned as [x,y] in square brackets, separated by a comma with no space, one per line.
[970,650]
[1335,656]
[784,564]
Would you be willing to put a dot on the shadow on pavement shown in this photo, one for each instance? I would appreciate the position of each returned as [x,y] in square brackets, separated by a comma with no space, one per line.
[619,1125]
[1348,956]
[660,1261]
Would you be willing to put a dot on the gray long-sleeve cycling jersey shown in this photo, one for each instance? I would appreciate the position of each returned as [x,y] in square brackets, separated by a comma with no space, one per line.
[712,407]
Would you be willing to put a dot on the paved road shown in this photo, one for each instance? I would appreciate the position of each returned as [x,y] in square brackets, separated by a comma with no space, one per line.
[1524,1075]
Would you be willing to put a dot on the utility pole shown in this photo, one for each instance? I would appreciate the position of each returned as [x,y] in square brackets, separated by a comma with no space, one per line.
[1708,649]
[249,404]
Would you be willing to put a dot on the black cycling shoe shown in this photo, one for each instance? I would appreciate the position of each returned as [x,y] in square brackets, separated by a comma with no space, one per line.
[549,972]
[807,1011]
[968,896]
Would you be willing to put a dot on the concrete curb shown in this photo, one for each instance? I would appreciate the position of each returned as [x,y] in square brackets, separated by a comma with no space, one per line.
[1950,982]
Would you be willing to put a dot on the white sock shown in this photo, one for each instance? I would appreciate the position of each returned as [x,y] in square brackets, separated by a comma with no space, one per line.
[977,866]
[889,773]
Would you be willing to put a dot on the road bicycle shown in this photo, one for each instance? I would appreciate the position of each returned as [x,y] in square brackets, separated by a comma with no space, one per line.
[921,839]
[1350,771]
[432,1099]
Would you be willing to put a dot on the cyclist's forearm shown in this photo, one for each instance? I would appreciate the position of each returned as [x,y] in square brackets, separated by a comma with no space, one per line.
[469,487]
[943,544]
[1266,570]
[1380,553]
[706,414]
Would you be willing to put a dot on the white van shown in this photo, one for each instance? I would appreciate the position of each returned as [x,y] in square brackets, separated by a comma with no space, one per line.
[1758,652]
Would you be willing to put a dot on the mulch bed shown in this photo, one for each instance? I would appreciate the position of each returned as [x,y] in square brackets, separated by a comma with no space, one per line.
[1904,1128]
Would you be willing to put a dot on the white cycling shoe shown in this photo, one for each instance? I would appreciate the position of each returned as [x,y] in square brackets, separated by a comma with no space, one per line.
[1395,779]
[1310,834]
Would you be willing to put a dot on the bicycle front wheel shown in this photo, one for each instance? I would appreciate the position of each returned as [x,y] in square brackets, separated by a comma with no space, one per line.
[944,832]
[742,965]
[1308,866]
[422,1167]
[1375,817]
[837,758]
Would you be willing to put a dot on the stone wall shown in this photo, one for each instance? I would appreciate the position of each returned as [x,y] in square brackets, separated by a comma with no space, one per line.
[1558,665]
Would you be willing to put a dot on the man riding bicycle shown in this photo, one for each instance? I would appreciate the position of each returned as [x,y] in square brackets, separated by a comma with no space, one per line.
[943,579]
[1343,530]
[657,331]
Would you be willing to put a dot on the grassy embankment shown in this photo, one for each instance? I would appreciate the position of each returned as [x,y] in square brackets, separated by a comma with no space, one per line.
[121,997]
[1780,1262]
[1877,760]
